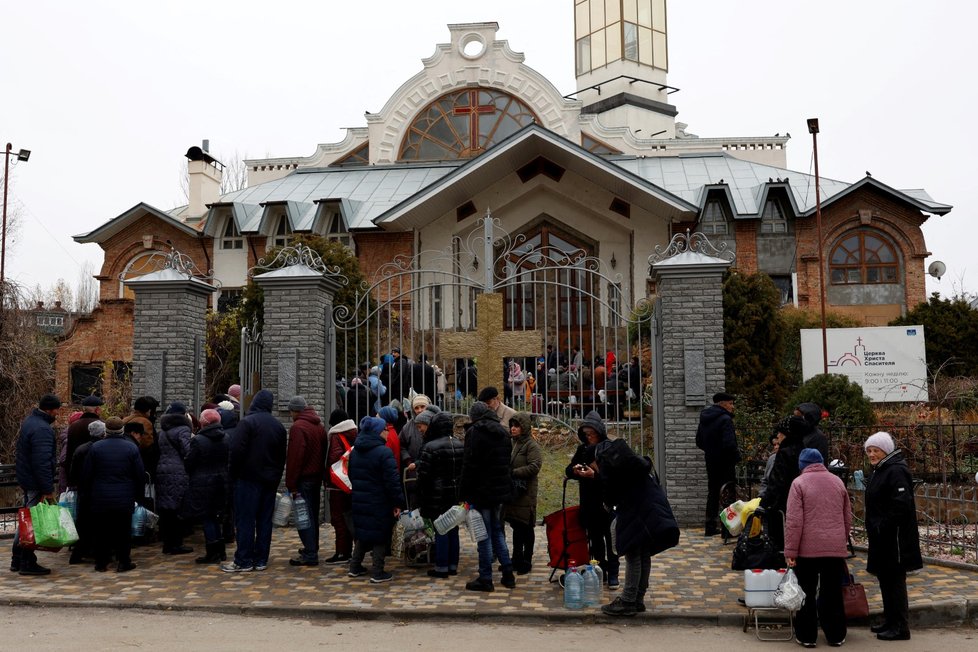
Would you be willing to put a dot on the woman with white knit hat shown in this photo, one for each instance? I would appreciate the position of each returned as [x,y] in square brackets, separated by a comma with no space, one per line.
[891,525]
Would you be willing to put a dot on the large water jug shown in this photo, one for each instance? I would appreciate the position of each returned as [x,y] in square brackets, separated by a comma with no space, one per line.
[592,587]
[283,508]
[599,571]
[450,520]
[137,524]
[759,586]
[301,507]
[477,526]
[573,589]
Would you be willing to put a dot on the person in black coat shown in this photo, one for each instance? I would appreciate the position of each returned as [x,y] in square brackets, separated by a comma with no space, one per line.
[36,458]
[645,525]
[774,502]
[207,494]
[594,517]
[815,438]
[377,498]
[716,437]
[171,477]
[113,477]
[358,400]
[83,510]
[891,526]
[257,461]
[487,484]
[439,487]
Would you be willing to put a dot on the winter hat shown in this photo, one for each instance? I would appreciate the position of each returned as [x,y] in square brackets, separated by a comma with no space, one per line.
[207,417]
[347,425]
[297,404]
[338,415]
[396,404]
[372,426]
[234,391]
[388,414]
[114,426]
[809,456]
[226,405]
[420,399]
[427,415]
[488,393]
[96,429]
[721,397]
[176,407]
[882,441]
[74,416]
[49,402]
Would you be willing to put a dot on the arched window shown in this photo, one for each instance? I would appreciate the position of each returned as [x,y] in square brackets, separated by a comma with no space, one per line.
[714,219]
[463,124]
[863,257]
[773,219]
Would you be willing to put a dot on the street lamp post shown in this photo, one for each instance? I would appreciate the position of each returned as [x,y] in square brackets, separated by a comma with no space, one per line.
[22,155]
[813,130]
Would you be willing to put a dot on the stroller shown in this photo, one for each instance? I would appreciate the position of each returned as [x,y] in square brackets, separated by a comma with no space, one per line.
[566,538]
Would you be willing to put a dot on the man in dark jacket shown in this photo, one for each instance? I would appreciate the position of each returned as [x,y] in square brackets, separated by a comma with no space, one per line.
[774,502]
[815,438]
[113,477]
[172,480]
[487,485]
[716,437]
[304,466]
[257,453]
[377,498]
[83,510]
[358,400]
[594,517]
[78,432]
[35,468]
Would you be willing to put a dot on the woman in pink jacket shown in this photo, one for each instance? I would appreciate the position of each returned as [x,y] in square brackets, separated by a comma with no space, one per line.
[816,532]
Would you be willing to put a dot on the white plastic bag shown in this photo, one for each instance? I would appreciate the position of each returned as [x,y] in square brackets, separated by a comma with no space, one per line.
[789,595]
[730,517]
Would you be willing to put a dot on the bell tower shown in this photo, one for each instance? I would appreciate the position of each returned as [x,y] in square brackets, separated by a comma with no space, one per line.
[621,58]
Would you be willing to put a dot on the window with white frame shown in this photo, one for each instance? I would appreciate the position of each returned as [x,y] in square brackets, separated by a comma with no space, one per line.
[283,233]
[338,231]
[232,238]
[614,304]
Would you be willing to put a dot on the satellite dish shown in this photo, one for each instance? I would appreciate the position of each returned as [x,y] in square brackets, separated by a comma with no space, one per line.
[936,269]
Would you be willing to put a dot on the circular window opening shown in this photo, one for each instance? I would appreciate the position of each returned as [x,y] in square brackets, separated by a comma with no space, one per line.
[472,46]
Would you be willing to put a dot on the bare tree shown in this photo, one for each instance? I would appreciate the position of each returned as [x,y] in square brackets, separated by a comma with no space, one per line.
[62,292]
[86,292]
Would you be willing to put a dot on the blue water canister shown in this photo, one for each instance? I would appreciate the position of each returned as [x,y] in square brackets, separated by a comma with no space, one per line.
[573,589]
[301,512]
[592,586]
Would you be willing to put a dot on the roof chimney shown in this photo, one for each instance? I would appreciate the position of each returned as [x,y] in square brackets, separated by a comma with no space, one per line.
[204,174]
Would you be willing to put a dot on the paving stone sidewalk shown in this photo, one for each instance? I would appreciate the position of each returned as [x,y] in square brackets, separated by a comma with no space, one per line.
[690,583]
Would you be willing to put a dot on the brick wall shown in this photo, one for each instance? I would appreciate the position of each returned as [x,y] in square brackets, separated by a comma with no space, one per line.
[104,335]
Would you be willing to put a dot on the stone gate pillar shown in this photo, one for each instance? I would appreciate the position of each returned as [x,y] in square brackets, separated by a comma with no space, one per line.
[169,334]
[689,363]
[299,340]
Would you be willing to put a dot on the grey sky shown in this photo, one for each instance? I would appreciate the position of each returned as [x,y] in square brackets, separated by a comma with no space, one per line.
[109,95]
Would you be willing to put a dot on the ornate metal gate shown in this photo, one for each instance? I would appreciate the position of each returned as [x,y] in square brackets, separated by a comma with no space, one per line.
[534,314]
[250,364]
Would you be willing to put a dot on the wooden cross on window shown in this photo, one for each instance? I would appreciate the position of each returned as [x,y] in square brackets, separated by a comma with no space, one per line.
[473,109]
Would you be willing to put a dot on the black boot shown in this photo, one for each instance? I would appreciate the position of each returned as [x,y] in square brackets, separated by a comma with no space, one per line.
[215,553]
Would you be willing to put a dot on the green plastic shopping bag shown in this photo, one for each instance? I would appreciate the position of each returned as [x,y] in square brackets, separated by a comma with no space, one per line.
[53,525]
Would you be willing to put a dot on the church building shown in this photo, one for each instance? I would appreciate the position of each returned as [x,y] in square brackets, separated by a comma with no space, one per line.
[606,172]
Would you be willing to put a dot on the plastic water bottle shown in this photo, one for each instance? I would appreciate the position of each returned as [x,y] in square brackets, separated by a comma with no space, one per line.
[283,508]
[592,587]
[450,520]
[477,527]
[138,523]
[573,588]
[301,507]
[600,573]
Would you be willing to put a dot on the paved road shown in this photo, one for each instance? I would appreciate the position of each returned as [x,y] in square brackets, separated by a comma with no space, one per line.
[58,629]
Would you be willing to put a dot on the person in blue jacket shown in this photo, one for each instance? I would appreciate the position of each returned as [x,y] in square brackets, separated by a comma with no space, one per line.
[377,498]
